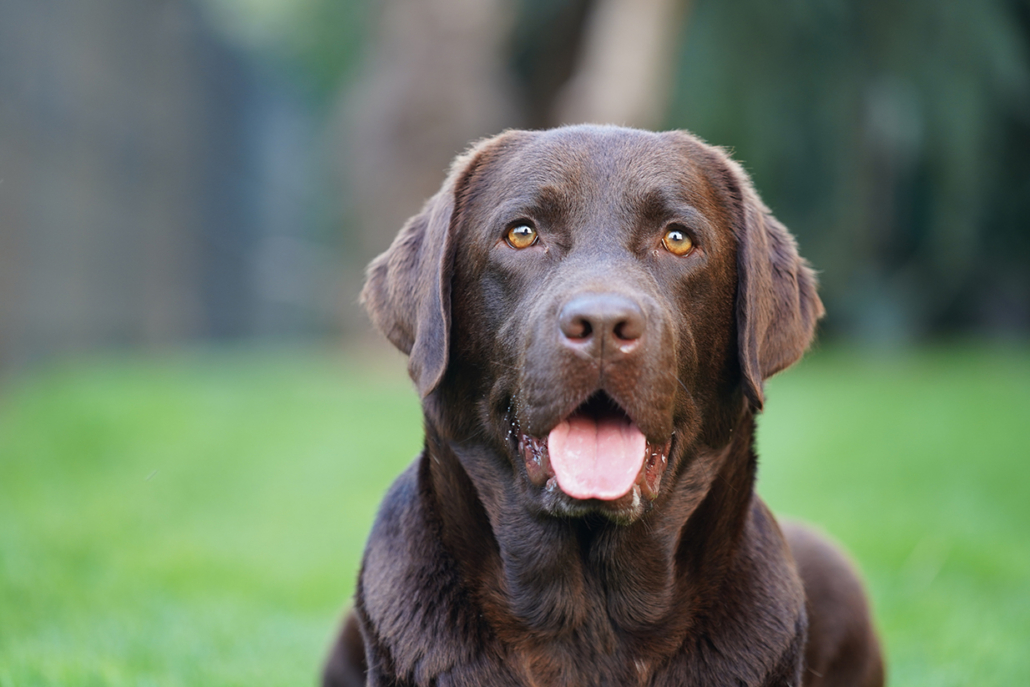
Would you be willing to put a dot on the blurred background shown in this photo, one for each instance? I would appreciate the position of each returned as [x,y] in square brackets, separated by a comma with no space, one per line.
[183,171]
[190,189]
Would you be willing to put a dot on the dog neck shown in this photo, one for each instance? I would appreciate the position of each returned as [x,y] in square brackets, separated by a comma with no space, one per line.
[587,586]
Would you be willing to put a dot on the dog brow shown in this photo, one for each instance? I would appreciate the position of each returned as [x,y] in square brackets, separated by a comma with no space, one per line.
[658,206]
[654,205]
[555,201]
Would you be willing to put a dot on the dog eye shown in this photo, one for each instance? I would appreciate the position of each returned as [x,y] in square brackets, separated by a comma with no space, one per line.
[677,242]
[521,236]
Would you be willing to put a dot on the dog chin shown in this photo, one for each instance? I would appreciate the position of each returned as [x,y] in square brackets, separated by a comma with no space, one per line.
[622,511]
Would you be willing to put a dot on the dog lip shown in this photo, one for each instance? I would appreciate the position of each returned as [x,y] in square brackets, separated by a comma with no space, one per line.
[595,405]
[598,405]
[536,458]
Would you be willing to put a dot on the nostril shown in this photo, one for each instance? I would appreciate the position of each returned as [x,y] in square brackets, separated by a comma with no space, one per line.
[629,329]
[576,326]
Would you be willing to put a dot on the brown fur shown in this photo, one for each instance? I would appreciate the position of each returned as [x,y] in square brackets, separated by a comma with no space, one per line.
[479,573]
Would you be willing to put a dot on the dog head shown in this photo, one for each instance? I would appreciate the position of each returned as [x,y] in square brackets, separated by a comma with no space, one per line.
[595,304]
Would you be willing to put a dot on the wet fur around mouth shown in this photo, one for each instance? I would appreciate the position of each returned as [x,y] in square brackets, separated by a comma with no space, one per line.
[534,451]
[480,569]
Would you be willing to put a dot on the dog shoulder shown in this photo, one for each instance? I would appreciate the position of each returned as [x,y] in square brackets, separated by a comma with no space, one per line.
[763,600]
[843,644]
[417,619]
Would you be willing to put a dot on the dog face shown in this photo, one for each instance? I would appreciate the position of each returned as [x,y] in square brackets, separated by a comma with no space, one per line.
[595,305]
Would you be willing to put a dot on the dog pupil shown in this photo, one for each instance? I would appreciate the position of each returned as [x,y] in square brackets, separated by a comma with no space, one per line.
[521,236]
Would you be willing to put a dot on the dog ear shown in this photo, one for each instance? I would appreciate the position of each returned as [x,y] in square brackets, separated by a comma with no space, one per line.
[777,303]
[407,289]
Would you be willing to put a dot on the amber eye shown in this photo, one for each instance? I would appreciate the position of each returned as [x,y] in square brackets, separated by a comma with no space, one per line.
[521,236]
[677,242]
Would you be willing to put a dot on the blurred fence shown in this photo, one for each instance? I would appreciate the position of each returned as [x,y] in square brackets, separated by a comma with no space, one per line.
[162,181]
[153,185]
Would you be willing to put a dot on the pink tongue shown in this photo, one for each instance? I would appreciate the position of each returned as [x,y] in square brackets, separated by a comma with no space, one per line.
[596,459]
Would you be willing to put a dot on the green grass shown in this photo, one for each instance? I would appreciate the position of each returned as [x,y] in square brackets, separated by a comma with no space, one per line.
[189,522]
[920,465]
[198,520]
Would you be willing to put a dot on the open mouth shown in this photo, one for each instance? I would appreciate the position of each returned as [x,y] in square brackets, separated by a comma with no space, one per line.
[597,452]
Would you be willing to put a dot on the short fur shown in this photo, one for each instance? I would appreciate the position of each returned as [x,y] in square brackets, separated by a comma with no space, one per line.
[479,573]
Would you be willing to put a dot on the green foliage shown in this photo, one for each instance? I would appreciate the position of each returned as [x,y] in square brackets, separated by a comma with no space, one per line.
[199,521]
[891,137]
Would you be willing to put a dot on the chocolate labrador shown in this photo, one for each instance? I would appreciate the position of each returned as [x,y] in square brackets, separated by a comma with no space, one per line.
[590,314]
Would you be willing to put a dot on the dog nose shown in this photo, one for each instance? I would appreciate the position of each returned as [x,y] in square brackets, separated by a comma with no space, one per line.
[602,323]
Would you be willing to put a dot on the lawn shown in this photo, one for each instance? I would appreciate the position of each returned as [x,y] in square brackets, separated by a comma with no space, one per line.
[198,519]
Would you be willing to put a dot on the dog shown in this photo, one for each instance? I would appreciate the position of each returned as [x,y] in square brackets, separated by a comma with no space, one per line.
[590,314]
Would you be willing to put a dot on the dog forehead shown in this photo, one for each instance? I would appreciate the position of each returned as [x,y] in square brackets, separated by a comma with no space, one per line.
[580,164]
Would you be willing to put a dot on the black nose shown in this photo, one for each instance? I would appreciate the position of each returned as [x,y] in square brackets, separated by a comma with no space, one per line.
[602,323]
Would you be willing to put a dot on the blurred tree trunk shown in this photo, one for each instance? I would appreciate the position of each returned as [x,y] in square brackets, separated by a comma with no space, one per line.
[435,80]
[625,70]
[442,73]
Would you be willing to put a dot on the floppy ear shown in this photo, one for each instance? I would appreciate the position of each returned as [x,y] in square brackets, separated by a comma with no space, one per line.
[777,303]
[407,289]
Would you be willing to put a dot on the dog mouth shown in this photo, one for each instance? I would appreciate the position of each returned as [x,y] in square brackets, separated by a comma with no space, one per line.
[597,453]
